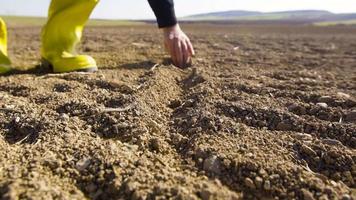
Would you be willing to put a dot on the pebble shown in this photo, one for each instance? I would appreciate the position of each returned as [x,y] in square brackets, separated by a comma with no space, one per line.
[283,126]
[249,155]
[323,105]
[307,195]
[351,117]
[307,150]
[17,119]
[325,99]
[91,188]
[343,95]
[249,183]
[267,185]
[293,107]
[154,126]
[297,108]
[137,195]
[334,153]
[64,116]
[262,172]
[331,142]
[274,176]
[206,194]
[258,181]
[212,164]
[156,144]
[83,164]
[130,187]
[175,104]
[346,197]
[336,176]
[303,136]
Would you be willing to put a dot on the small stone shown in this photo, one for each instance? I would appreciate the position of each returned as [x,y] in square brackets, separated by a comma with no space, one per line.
[218,182]
[351,117]
[156,144]
[17,119]
[324,197]
[249,183]
[331,142]
[91,188]
[274,177]
[303,136]
[346,197]
[307,150]
[175,104]
[293,107]
[334,154]
[343,95]
[130,187]
[64,116]
[122,126]
[83,164]
[138,195]
[262,172]
[347,176]
[336,176]
[284,126]
[212,164]
[297,109]
[206,194]
[307,195]
[325,99]
[154,126]
[258,182]
[322,105]
[9,107]
[249,155]
[267,185]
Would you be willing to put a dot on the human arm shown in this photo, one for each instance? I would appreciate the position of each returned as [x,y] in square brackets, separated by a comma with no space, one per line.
[176,41]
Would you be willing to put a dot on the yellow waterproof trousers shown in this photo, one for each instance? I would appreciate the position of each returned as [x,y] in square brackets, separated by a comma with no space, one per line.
[5,64]
[60,35]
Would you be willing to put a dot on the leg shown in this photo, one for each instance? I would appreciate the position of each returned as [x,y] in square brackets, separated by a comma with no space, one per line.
[5,64]
[64,28]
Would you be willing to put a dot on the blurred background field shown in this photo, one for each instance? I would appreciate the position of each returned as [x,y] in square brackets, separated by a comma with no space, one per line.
[39,21]
[300,17]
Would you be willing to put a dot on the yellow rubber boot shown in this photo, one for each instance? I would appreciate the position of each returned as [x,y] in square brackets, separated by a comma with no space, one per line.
[5,63]
[63,31]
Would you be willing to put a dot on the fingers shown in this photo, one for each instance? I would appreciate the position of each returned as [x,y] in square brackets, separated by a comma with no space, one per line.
[179,53]
[185,53]
[190,48]
[173,52]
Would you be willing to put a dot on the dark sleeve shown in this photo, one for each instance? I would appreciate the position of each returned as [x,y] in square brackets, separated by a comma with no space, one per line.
[164,11]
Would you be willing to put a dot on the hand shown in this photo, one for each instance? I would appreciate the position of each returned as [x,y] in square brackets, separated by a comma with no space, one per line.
[178,46]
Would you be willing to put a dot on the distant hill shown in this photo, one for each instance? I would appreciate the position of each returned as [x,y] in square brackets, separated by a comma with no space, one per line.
[311,16]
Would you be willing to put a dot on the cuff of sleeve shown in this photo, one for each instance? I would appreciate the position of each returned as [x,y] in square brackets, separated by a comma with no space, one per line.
[168,18]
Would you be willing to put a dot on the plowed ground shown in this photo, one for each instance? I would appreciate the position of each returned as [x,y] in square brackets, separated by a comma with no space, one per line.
[263,113]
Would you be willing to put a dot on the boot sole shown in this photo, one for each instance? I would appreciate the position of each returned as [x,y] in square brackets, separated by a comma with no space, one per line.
[48,65]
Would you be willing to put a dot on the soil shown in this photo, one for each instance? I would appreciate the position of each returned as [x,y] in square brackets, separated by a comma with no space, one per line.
[264,112]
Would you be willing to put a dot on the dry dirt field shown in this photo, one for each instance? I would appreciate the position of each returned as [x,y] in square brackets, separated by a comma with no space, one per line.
[265,112]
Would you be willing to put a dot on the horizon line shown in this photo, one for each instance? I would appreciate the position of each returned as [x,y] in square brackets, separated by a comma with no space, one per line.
[208,12]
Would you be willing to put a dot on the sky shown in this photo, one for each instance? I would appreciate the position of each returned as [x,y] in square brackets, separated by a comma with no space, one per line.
[139,9]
